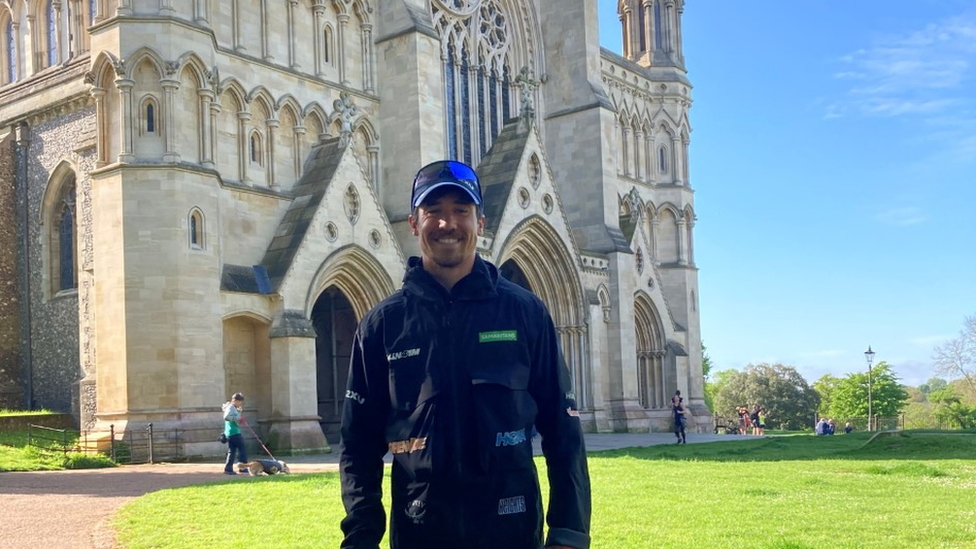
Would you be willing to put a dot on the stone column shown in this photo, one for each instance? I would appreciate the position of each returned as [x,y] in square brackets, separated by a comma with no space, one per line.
[628,32]
[101,150]
[655,229]
[214,113]
[124,8]
[676,160]
[367,57]
[341,48]
[682,239]
[669,26]
[292,57]
[76,28]
[170,87]
[677,34]
[638,155]
[58,29]
[235,11]
[625,148]
[374,166]
[34,59]
[319,11]
[647,6]
[298,143]
[243,118]
[201,15]
[270,170]
[206,134]
[125,119]
[166,8]
[265,51]
[294,422]
[18,53]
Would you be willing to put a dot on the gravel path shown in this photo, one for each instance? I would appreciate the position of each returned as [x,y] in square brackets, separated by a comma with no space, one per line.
[73,509]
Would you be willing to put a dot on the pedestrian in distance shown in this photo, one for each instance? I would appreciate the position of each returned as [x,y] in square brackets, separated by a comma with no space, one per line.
[233,418]
[678,412]
[450,374]
[848,428]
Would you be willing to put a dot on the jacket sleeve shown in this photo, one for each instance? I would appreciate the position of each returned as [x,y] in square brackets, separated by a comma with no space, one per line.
[363,443]
[558,422]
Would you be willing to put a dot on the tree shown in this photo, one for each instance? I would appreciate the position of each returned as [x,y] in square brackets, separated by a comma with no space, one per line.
[825,387]
[706,370]
[850,397]
[957,358]
[950,410]
[932,385]
[789,401]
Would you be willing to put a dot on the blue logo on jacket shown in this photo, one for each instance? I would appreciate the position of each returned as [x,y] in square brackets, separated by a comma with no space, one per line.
[510,438]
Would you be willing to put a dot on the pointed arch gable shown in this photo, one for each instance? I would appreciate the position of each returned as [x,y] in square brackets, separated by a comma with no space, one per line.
[357,274]
[233,87]
[192,62]
[315,109]
[261,95]
[288,101]
[555,281]
[140,56]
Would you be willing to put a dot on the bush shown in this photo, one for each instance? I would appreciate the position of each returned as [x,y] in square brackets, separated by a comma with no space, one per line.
[81,460]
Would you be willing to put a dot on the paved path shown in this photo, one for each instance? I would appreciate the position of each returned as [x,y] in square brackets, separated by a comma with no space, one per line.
[72,509]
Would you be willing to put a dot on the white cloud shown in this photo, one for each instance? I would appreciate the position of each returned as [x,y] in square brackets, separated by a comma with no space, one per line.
[920,73]
[901,217]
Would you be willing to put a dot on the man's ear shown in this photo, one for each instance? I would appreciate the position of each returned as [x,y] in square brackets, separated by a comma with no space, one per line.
[481,225]
[413,225]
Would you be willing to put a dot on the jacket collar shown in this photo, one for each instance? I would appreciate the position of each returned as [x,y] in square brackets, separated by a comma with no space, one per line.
[480,283]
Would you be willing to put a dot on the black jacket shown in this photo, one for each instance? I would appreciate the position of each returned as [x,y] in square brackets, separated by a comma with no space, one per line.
[452,385]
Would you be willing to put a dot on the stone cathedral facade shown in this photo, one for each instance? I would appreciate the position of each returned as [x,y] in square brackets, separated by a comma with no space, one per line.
[200,197]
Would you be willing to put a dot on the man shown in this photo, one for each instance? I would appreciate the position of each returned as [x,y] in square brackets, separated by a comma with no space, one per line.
[450,374]
[233,418]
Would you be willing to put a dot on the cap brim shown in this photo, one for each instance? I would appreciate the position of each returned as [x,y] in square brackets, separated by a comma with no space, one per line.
[420,198]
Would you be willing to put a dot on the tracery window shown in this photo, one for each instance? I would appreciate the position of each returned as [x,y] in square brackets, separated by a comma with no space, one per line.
[662,158]
[256,149]
[477,58]
[196,229]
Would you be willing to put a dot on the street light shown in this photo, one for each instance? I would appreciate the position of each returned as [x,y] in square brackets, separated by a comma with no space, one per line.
[869,356]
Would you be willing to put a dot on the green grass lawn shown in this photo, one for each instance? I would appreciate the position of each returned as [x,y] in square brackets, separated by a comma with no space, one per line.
[17,455]
[905,491]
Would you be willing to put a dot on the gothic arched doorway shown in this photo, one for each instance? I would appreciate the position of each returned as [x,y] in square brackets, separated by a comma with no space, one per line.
[511,271]
[335,324]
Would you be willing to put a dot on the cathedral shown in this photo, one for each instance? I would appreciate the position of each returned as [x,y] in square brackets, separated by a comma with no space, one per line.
[201,197]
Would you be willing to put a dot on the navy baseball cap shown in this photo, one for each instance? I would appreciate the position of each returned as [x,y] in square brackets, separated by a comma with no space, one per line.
[445,172]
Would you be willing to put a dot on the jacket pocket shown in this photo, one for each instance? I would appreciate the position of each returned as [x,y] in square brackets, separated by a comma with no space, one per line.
[504,413]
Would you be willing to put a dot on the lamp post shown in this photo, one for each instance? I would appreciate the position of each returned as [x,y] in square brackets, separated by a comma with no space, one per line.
[869,356]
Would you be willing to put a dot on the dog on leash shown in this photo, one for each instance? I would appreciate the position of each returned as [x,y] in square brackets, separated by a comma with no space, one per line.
[260,467]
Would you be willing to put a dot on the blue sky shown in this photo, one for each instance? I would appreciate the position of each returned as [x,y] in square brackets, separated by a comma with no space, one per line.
[833,156]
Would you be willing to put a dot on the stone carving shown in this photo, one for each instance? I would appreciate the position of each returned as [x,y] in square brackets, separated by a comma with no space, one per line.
[346,112]
[633,197]
[89,78]
[172,67]
[527,86]
[119,66]
[351,204]
[459,8]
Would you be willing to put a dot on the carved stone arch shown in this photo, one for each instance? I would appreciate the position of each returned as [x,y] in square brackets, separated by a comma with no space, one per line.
[528,36]
[315,109]
[340,7]
[192,62]
[102,69]
[667,236]
[292,103]
[555,281]
[357,274]
[363,11]
[140,56]
[247,360]
[235,89]
[603,296]
[260,94]
[655,378]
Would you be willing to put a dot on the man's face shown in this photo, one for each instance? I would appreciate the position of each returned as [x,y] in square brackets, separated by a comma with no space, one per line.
[448,226]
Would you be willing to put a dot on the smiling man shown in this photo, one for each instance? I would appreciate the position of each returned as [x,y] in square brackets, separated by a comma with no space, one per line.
[451,374]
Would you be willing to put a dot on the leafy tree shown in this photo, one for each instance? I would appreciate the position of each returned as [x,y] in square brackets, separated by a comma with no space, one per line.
[932,385]
[850,397]
[706,371]
[957,358]
[950,410]
[789,401]
[825,388]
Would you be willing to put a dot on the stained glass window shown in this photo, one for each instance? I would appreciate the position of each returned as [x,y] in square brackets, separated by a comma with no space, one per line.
[657,26]
[52,51]
[66,242]
[92,11]
[482,112]
[465,108]
[506,102]
[641,18]
[493,100]
[451,122]
[150,118]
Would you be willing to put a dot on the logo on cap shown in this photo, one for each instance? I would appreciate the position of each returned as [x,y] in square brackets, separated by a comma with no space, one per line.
[443,173]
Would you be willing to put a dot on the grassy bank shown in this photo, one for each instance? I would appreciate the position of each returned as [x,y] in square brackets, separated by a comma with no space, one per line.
[903,491]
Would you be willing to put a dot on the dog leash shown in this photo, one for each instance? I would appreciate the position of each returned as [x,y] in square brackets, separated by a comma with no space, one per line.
[259,440]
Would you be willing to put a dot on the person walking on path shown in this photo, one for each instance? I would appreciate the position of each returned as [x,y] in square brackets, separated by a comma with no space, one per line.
[450,374]
[678,411]
[232,430]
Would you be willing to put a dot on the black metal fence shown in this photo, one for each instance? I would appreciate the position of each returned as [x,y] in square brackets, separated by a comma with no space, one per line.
[130,446]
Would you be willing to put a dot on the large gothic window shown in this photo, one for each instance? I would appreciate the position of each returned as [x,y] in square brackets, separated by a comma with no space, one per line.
[92,11]
[64,240]
[477,39]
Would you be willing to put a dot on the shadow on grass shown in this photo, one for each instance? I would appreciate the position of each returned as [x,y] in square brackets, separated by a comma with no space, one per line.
[908,445]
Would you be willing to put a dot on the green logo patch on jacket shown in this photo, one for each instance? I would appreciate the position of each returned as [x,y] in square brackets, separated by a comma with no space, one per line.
[500,335]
